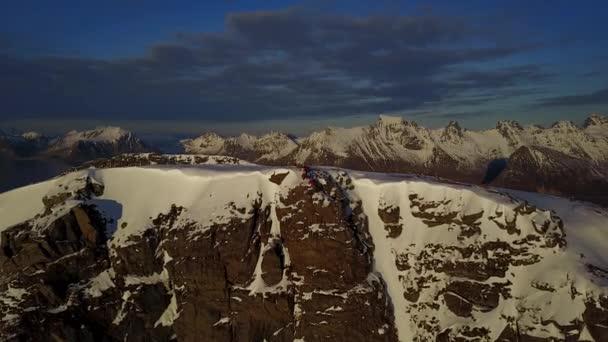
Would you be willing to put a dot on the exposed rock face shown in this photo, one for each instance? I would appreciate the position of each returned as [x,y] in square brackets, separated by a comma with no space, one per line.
[245,253]
[396,145]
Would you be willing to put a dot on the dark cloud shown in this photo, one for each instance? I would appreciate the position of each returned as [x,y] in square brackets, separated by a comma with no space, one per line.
[599,97]
[271,65]
[502,78]
[4,43]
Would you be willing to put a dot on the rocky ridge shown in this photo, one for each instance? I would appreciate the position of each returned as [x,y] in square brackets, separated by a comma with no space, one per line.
[247,253]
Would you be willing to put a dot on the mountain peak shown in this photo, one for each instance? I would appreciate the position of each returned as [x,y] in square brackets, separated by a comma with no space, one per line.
[454,124]
[389,120]
[212,136]
[106,133]
[565,124]
[508,124]
[31,135]
[595,120]
[453,128]
[111,130]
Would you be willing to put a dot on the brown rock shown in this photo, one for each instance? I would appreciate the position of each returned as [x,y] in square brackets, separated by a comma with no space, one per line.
[84,223]
[462,296]
[272,265]
[278,178]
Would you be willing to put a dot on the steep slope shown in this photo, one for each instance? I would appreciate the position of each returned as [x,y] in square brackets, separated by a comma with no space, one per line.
[251,253]
[79,146]
[545,170]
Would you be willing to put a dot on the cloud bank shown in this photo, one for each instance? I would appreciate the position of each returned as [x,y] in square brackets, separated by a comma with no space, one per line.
[277,65]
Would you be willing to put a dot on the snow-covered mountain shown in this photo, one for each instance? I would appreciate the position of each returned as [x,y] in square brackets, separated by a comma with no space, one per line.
[271,148]
[230,252]
[393,144]
[596,125]
[23,145]
[73,146]
[101,142]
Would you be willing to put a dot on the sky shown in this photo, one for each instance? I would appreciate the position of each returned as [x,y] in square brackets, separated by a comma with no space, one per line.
[184,67]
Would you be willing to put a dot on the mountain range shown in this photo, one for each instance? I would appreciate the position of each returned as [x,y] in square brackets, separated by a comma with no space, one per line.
[563,159]
[73,146]
[529,158]
[194,248]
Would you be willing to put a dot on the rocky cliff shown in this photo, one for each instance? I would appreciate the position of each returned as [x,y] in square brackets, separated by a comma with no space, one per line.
[238,252]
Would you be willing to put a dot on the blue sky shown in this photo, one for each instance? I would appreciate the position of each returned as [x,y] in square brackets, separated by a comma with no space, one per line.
[185,66]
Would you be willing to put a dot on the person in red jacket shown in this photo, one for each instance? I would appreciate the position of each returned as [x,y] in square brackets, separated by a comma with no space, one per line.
[308,174]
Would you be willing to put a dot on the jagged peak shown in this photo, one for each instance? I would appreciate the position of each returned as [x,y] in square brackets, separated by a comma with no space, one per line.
[452,132]
[595,120]
[389,120]
[109,130]
[453,127]
[454,124]
[504,124]
[565,124]
[211,135]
